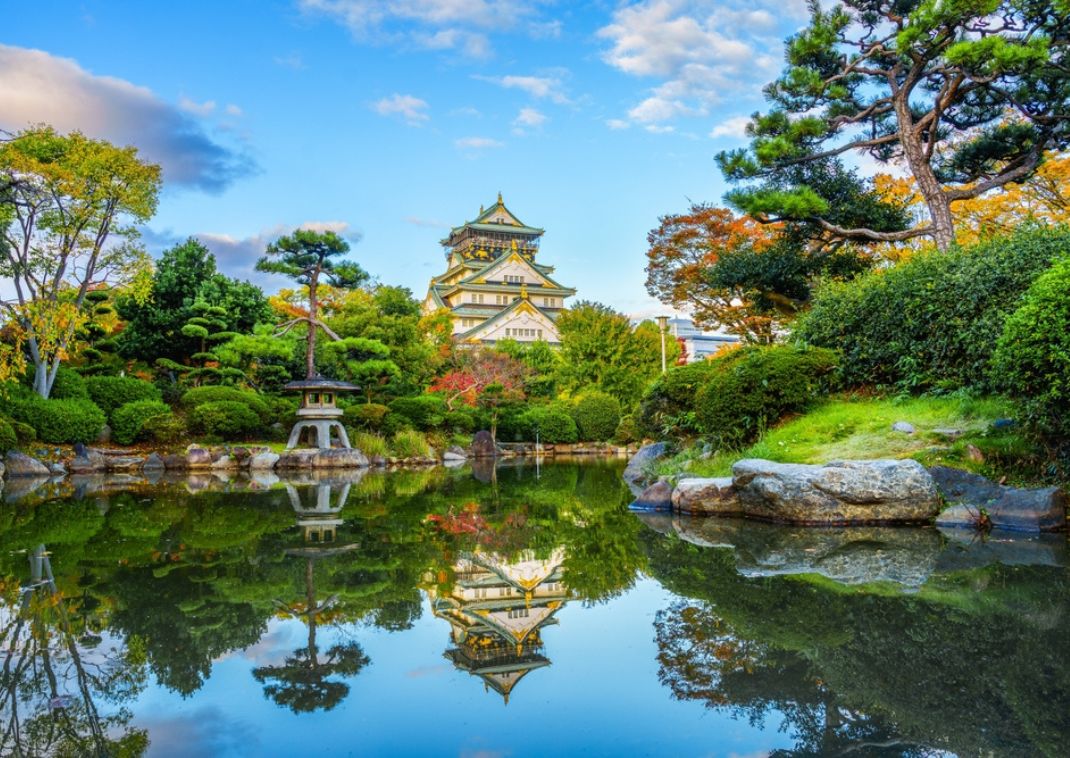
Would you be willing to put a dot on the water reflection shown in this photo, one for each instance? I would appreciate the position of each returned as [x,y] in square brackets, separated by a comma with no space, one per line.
[853,641]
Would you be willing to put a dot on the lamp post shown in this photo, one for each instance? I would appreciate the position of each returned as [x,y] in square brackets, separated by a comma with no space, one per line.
[663,323]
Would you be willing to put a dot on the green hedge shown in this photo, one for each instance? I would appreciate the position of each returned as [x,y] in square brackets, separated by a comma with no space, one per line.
[365,416]
[8,440]
[128,421]
[199,396]
[754,387]
[550,424]
[69,385]
[933,321]
[111,392]
[1032,357]
[668,407]
[225,419]
[596,415]
[423,412]
[58,421]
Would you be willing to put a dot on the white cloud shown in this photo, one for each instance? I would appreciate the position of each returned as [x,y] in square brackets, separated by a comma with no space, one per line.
[408,107]
[659,129]
[617,124]
[37,87]
[731,127]
[233,110]
[197,109]
[477,143]
[541,87]
[529,117]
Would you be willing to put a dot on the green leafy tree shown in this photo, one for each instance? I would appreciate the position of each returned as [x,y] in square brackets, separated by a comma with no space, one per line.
[311,258]
[968,95]
[266,360]
[69,210]
[364,361]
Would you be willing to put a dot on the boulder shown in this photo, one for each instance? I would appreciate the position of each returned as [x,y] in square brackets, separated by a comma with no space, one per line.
[706,497]
[263,461]
[635,473]
[175,462]
[57,469]
[198,457]
[903,426]
[968,495]
[314,458]
[656,497]
[87,461]
[841,492]
[154,463]
[124,462]
[20,464]
[483,445]
[455,453]
[224,462]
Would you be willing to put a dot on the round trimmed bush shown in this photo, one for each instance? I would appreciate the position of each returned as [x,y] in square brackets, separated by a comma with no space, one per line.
[755,386]
[128,421]
[199,396]
[668,407]
[596,415]
[7,436]
[1032,357]
[226,419]
[627,431]
[423,412]
[553,425]
[165,429]
[111,392]
[365,416]
[58,421]
[69,385]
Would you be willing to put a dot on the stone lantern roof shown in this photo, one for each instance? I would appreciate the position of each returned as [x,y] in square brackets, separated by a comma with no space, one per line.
[318,383]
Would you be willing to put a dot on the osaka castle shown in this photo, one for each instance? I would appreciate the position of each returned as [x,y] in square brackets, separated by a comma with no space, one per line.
[492,287]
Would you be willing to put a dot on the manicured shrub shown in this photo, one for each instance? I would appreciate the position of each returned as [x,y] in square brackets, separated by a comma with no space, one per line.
[410,444]
[127,422]
[166,429]
[8,440]
[282,410]
[225,419]
[627,431]
[462,420]
[754,387]
[366,416]
[58,421]
[1032,357]
[596,415]
[423,412]
[24,433]
[668,407]
[933,321]
[372,445]
[111,392]
[198,396]
[549,424]
[69,385]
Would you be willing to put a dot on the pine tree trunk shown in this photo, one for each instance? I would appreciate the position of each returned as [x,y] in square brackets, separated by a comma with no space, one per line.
[943,224]
[312,308]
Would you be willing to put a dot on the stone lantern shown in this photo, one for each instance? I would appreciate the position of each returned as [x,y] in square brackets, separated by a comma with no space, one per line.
[318,412]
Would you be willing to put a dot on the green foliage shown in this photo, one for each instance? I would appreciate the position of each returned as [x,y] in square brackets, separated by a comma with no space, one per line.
[372,445]
[165,429]
[24,433]
[111,392]
[198,396]
[69,385]
[1032,356]
[463,420]
[933,321]
[266,359]
[8,440]
[596,414]
[627,431]
[225,419]
[365,416]
[58,421]
[754,387]
[550,423]
[128,420]
[410,443]
[423,412]
[668,407]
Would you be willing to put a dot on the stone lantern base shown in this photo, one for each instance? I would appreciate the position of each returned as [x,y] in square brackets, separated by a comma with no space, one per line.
[321,428]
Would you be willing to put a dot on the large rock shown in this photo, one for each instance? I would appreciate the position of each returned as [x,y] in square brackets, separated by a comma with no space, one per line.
[124,463]
[656,497]
[198,457]
[841,492]
[706,497]
[263,461]
[315,458]
[483,445]
[153,464]
[455,454]
[636,473]
[970,495]
[87,461]
[20,464]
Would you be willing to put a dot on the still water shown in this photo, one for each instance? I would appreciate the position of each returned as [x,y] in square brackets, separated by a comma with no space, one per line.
[516,612]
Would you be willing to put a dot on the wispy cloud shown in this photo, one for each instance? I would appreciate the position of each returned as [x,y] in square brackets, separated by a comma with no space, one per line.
[548,87]
[477,143]
[412,109]
[197,109]
[36,87]
[528,118]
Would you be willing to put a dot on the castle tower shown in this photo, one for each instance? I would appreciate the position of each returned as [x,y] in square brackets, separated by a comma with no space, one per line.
[493,288]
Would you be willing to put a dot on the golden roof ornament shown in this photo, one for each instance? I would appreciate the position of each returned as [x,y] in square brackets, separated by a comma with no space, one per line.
[524,291]
[500,198]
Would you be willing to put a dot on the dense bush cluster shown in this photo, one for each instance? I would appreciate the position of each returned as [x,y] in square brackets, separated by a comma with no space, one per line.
[128,421]
[423,412]
[668,407]
[1032,357]
[69,385]
[8,440]
[57,421]
[225,419]
[111,392]
[933,321]
[549,424]
[597,415]
[198,396]
[365,416]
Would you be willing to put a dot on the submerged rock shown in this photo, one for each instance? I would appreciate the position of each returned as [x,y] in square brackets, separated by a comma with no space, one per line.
[841,492]
[20,464]
[707,497]
[1024,510]
[635,473]
[656,497]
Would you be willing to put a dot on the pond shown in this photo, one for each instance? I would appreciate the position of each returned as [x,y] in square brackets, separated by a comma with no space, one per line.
[521,611]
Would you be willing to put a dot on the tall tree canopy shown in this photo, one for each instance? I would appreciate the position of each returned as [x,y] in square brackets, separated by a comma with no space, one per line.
[311,258]
[69,206]
[906,80]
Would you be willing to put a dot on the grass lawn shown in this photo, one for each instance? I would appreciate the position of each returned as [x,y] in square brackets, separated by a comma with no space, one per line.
[853,427]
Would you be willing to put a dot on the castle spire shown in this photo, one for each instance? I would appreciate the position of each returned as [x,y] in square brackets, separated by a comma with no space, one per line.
[500,198]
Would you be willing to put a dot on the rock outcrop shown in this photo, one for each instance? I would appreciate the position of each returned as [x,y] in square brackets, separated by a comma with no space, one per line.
[656,497]
[314,458]
[20,464]
[483,446]
[707,497]
[841,492]
[636,472]
[973,498]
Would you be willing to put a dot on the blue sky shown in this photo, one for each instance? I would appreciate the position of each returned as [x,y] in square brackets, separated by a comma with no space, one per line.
[393,120]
